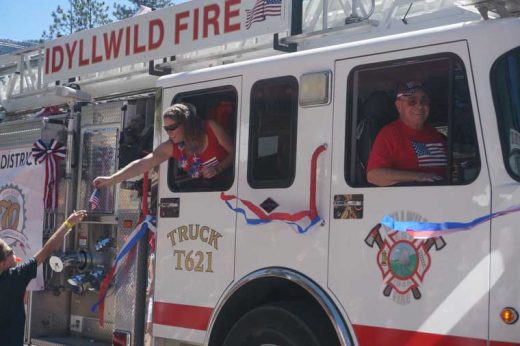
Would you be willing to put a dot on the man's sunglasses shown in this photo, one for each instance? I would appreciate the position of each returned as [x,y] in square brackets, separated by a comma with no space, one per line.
[412,101]
[171,127]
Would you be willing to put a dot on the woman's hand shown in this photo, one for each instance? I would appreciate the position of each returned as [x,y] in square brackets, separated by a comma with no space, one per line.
[76,217]
[100,182]
[210,171]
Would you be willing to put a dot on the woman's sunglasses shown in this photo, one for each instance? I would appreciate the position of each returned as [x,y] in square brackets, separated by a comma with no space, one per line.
[171,127]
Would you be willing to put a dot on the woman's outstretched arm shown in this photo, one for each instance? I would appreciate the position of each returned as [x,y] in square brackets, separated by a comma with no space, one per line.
[137,167]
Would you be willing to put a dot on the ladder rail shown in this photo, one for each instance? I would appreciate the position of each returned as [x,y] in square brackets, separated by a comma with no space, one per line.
[21,72]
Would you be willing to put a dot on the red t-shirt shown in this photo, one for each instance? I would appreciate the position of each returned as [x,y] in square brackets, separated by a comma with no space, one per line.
[401,147]
[211,156]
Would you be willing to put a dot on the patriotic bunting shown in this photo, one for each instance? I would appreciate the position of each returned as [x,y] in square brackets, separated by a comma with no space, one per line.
[149,223]
[290,219]
[50,154]
[424,230]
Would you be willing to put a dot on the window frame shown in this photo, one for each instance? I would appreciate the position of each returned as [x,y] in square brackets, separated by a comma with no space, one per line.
[293,134]
[499,111]
[351,150]
[201,186]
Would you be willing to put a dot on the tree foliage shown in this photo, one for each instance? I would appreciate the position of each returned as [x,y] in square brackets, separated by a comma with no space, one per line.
[81,15]
[124,11]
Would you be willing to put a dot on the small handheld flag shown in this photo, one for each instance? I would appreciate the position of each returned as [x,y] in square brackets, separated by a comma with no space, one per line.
[94,199]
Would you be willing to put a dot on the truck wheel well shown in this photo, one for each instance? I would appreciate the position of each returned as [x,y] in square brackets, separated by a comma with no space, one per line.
[262,291]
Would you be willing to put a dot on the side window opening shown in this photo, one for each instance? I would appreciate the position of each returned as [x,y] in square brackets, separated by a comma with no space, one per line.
[505,84]
[372,91]
[272,136]
[217,104]
[136,141]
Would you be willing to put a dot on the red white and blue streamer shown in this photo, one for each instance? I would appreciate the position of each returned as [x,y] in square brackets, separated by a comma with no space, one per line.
[148,224]
[423,230]
[290,219]
[50,154]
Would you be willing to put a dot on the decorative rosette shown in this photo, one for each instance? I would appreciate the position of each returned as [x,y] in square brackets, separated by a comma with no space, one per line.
[50,154]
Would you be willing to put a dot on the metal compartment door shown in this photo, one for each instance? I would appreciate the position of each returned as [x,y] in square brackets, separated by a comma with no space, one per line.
[195,243]
[395,289]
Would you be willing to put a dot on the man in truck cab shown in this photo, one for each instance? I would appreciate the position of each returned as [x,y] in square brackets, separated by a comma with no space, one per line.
[408,149]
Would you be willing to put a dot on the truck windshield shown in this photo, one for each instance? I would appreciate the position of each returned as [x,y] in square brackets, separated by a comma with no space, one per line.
[505,82]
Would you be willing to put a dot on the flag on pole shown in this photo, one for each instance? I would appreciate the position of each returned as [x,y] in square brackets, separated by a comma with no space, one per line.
[261,10]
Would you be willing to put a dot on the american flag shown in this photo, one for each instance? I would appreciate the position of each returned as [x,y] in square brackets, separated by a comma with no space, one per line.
[262,9]
[94,199]
[430,154]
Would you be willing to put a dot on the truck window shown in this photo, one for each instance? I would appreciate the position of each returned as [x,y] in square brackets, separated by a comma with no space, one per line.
[505,83]
[272,134]
[371,105]
[219,105]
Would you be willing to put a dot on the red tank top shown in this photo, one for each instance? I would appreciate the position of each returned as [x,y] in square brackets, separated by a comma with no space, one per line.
[211,156]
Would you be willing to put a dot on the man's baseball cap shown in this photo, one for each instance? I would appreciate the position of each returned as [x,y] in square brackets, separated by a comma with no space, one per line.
[409,88]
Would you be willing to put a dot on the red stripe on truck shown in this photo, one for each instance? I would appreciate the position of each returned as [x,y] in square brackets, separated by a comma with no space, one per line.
[503,343]
[198,317]
[367,335]
[179,315]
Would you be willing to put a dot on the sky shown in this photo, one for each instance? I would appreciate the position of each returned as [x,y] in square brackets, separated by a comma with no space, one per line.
[27,19]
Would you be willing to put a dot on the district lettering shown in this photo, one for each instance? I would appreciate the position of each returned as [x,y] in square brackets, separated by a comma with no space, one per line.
[8,161]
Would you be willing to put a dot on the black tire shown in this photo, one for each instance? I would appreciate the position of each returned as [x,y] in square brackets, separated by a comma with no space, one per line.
[283,324]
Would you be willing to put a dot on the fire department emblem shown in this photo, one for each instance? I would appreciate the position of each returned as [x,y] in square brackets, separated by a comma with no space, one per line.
[12,216]
[403,261]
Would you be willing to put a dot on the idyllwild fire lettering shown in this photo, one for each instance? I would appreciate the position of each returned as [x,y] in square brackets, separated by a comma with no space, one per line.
[192,25]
